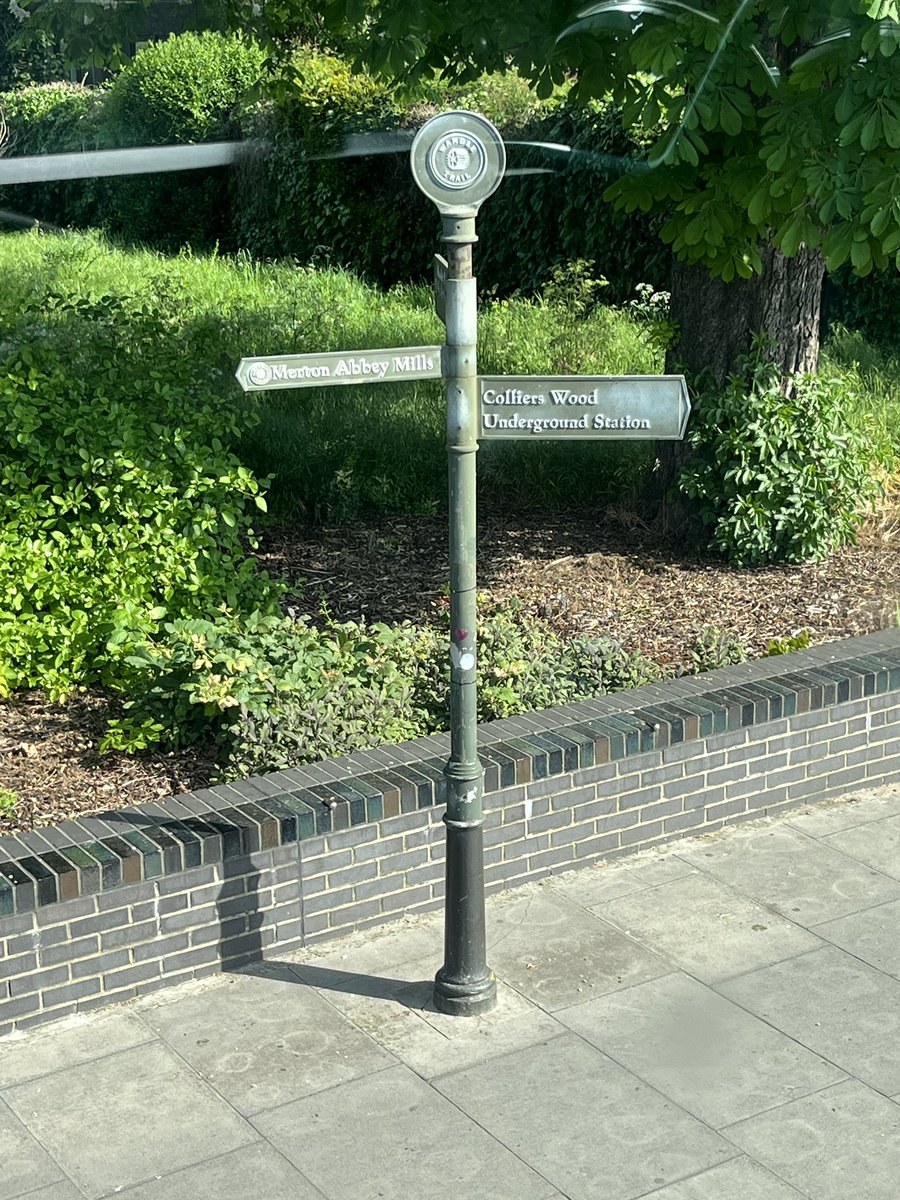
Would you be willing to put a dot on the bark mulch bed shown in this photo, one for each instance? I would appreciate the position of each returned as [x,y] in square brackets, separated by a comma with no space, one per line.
[594,572]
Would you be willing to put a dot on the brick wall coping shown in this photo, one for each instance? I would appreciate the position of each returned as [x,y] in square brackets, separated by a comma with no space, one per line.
[144,842]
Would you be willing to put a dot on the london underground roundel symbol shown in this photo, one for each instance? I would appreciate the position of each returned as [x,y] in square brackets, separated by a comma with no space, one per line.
[458,160]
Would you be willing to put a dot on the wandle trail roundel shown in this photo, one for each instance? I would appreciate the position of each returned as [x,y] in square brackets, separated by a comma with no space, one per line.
[458,160]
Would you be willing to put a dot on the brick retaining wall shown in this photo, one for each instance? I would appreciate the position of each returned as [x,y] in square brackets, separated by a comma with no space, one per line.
[110,907]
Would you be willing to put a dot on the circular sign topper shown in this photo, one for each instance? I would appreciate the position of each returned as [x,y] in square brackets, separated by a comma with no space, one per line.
[458,160]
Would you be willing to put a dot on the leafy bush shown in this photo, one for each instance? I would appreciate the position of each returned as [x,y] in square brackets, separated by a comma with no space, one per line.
[788,645]
[120,502]
[714,648]
[39,62]
[47,119]
[270,690]
[183,90]
[366,212]
[274,692]
[780,478]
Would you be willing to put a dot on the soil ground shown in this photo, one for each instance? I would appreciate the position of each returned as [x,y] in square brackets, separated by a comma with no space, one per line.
[598,572]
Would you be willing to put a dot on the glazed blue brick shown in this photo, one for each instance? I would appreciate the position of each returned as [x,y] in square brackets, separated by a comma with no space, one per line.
[630,730]
[320,812]
[191,848]
[537,755]
[249,830]
[569,748]
[68,883]
[45,880]
[209,839]
[7,898]
[584,744]
[153,863]
[24,887]
[110,866]
[170,850]
[554,752]
[266,824]
[506,766]
[287,818]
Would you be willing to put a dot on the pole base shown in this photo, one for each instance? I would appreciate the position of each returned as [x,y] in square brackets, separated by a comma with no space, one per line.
[473,998]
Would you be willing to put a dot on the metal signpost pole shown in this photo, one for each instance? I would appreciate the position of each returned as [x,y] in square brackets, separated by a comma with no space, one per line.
[465,983]
[458,160]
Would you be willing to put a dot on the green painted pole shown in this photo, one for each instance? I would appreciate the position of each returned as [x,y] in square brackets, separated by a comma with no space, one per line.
[465,984]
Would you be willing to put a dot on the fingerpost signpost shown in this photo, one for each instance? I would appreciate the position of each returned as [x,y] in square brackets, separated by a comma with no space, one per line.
[458,160]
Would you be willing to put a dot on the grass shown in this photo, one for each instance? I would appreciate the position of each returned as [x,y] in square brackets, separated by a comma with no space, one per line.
[371,448]
[872,376]
[342,454]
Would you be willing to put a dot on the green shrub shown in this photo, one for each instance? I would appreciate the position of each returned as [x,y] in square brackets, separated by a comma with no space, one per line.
[366,212]
[120,502]
[779,478]
[186,89]
[293,199]
[48,119]
[39,62]
[272,692]
[788,645]
[713,648]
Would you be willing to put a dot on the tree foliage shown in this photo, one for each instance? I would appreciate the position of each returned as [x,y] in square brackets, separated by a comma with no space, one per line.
[769,120]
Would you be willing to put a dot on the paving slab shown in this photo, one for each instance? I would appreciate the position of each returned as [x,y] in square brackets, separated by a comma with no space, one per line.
[595,885]
[821,819]
[24,1164]
[835,1005]
[261,1040]
[661,1032]
[718,931]
[739,1179]
[842,1142]
[875,843]
[393,1137]
[555,953]
[255,1173]
[587,1124]
[68,1043]
[57,1191]
[799,877]
[870,935]
[405,1022]
[126,1118]
[705,1053]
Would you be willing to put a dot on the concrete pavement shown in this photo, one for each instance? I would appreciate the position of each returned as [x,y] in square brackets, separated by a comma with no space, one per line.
[719,1021]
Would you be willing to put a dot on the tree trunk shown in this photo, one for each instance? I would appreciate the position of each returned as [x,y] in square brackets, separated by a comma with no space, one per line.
[717,321]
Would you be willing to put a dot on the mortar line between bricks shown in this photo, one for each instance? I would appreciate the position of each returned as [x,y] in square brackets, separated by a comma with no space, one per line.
[301,895]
